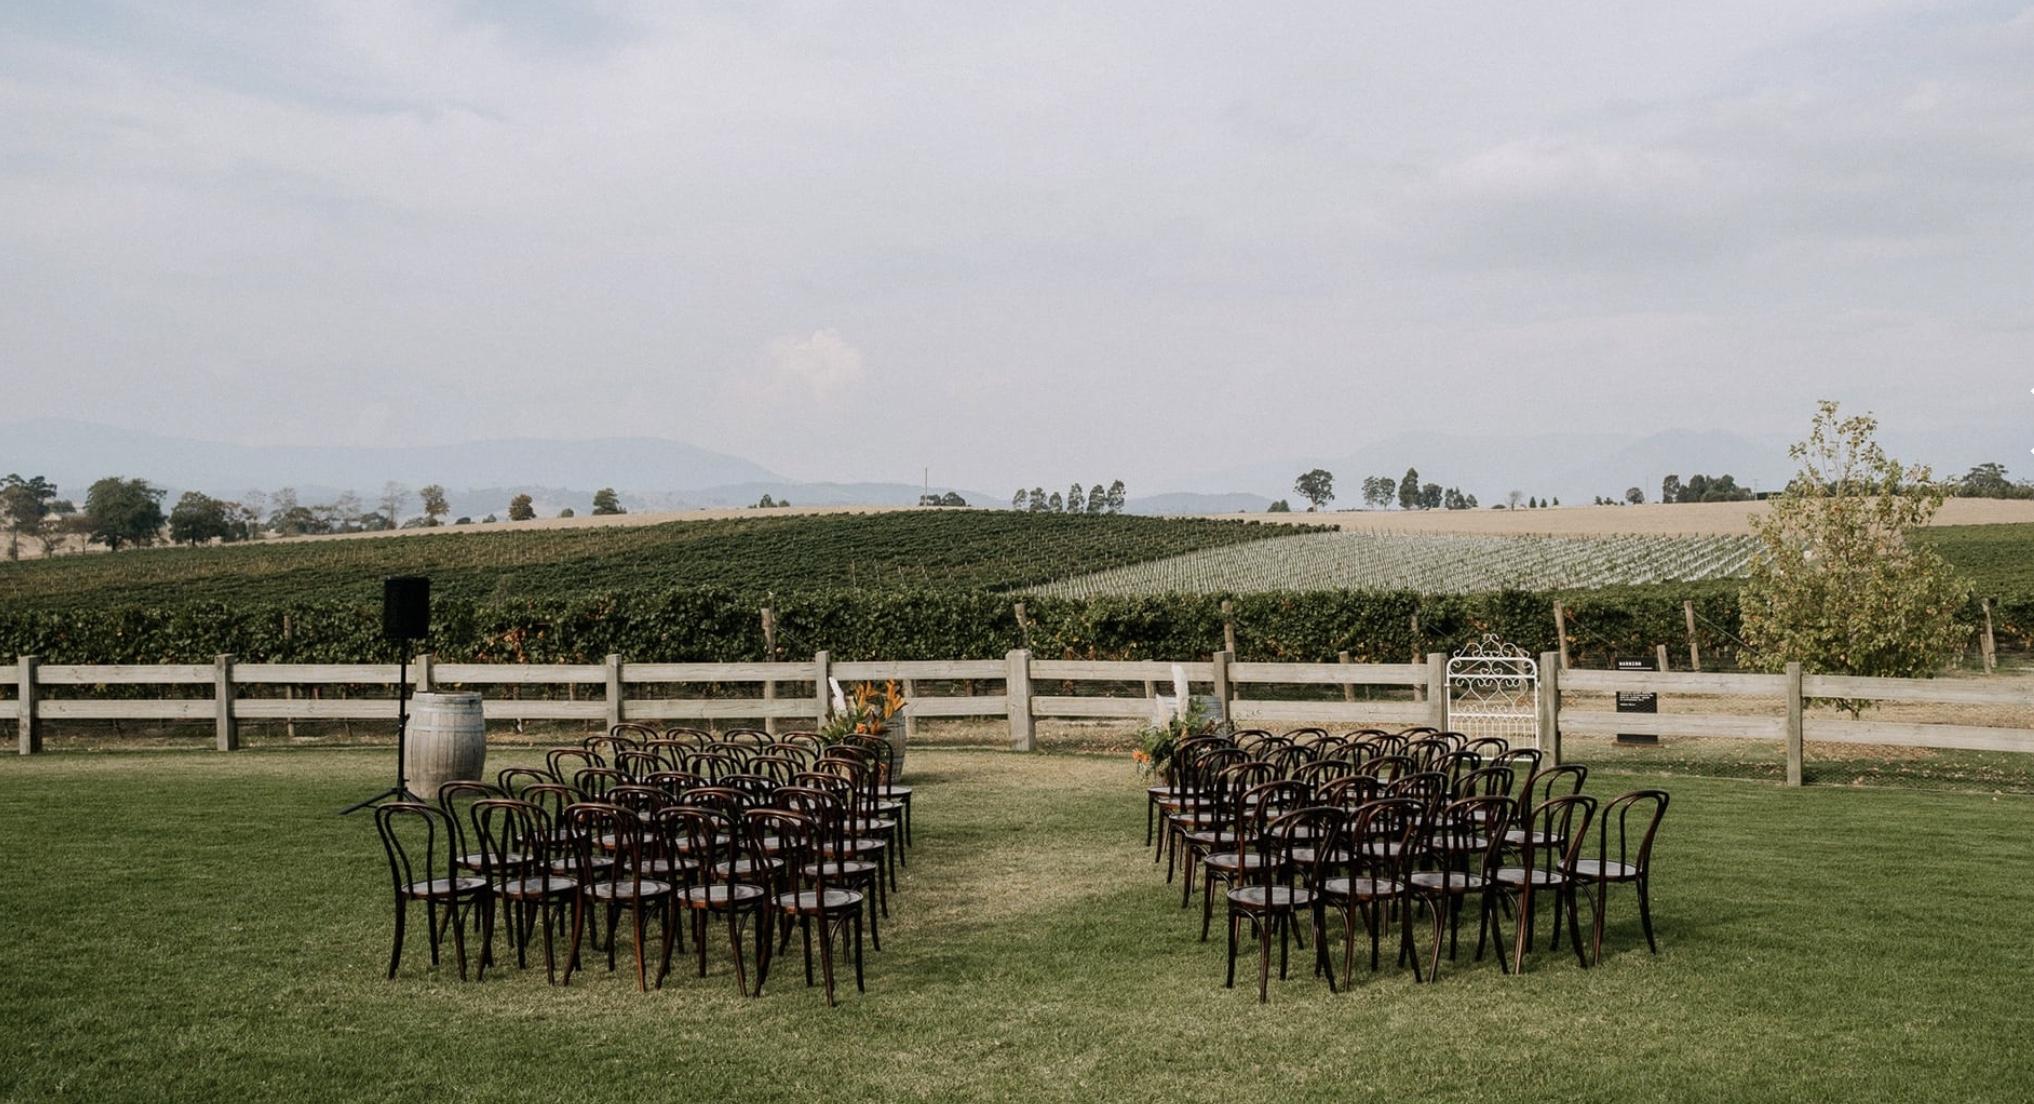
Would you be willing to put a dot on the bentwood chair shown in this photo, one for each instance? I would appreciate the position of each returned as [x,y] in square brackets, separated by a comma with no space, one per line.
[615,881]
[809,895]
[422,865]
[1168,791]
[712,847]
[1465,840]
[564,763]
[1384,841]
[1238,856]
[1550,843]
[1627,862]
[844,858]
[1265,893]
[511,781]
[517,849]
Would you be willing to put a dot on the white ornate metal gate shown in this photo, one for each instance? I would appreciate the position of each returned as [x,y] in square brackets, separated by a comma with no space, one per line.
[1494,690]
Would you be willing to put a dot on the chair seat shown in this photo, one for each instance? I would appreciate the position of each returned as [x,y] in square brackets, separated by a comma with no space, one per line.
[1214,837]
[1454,881]
[1516,876]
[723,893]
[902,792]
[629,891]
[850,868]
[663,869]
[1518,836]
[440,889]
[1262,898]
[1361,889]
[569,865]
[1305,856]
[1612,871]
[1230,860]
[477,859]
[536,887]
[1458,842]
[837,900]
[744,867]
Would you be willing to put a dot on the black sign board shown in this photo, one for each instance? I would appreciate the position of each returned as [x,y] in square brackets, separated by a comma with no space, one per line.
[1628,702]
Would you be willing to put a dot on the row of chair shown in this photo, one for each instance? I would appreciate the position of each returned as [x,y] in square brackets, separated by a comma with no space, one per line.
[1378,826]
[761,847]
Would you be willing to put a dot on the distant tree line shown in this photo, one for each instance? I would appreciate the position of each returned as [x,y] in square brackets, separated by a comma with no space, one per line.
[1096,500]
[1989,481]
[123,512]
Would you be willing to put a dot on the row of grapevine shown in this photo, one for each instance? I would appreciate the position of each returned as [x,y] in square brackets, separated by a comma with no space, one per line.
[1427,563]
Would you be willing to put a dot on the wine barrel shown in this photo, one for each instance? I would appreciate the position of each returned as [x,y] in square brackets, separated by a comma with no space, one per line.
[447,740]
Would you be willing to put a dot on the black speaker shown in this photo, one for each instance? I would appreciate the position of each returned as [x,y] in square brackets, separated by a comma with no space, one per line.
[406,607]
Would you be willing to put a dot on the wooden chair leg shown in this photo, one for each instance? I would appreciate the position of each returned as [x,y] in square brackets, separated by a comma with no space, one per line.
[402,915]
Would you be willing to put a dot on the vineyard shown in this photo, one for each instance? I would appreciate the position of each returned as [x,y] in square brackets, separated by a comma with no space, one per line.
[1425,563]
[962,550]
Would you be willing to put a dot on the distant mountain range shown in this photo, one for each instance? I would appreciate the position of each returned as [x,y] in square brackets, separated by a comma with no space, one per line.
[659,474]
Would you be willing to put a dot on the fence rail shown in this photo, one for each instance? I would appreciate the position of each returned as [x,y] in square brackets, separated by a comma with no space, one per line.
[1023,699]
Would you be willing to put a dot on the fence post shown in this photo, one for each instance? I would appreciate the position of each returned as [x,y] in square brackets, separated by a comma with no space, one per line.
[1023,624]
[1793,724]
[910,714]
[614,691]
[1550,706]
[1348,688]
[226,729]
[31,725]
[1660,653]
[1017,691]
[822,693]
[427,681]
[1224,692]
[1991,646]
[1228,626]
[1437,689]
[769,656]
[1694,650]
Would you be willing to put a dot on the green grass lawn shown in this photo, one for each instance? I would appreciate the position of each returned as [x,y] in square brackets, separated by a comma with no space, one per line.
[189,926]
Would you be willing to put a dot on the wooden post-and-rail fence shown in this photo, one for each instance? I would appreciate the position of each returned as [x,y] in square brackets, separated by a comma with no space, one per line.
[46,692]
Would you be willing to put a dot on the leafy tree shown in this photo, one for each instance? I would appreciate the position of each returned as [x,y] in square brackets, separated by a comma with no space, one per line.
[1989,480]
[1117,496]
[435,506]
[199,519]
[1076,502]
[1317,487]
[952,498]
[1635,496]
[1430,496]
[489,520]
[1056,504]
[1670,489]
[566,512]
[521,508]
[606,502]
[394,496]
[462,521]
[1469,502]
[1036,502]
[1557,502]
[374,521]
[1512,499]
[24,504]
[1841,585]
[123,511]
[1409,490]
[1377,491]
[1098,499]
[1694,489]
[1018,500]
[1279,507]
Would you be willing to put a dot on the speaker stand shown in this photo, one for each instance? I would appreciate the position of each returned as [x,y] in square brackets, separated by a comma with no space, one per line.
[400,791]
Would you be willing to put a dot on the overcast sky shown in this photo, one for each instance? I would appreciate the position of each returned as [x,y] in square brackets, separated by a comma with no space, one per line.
[1021,244]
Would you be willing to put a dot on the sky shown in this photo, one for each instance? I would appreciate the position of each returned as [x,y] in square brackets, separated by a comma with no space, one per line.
[1015,243]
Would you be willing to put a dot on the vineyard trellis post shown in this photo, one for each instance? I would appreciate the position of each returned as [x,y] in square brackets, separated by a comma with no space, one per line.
[1991,646]
[1561,631]
[1694,649]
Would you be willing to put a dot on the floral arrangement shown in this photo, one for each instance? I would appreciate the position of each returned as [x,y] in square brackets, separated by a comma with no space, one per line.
[1156,741]
[863,712]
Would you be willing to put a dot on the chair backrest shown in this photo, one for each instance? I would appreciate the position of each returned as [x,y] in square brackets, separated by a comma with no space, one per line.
[1553,782]
[597,832]
[1306,735]
[1615,821]
[777,767]
[798,844]
[1552,839]
[638,764]
[1350,791]
[752,737]
[516,839]
[455,798]
[1320,772]
[1428,786]
[554,798]
[567,762]
[1489,747]
[1388,768]
[674,783]
[594,782]
[1523,761]
[1486,782]
[1428,751]
[712,765]
[1306,843]
[708,838]
[759,787]
[609,746]
[670,753]
[631,734]
[691,737]
[511,780]
[414,837]
[637,797]
[1472,826]
[1386,838]
[725,801]
[1455,764]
